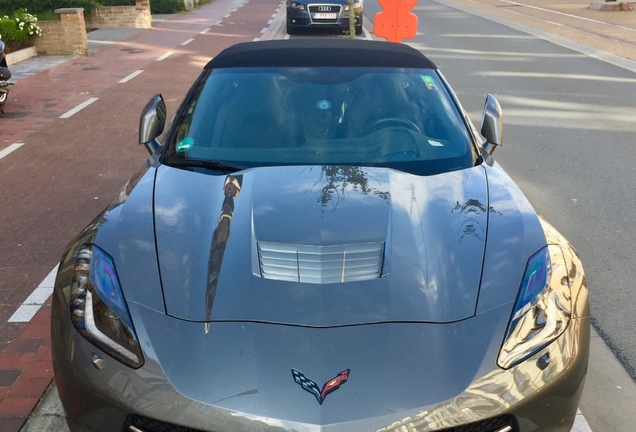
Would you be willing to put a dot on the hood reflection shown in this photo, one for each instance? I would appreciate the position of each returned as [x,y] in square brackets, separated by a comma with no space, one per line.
[231,190]
[472,226]
[339,180]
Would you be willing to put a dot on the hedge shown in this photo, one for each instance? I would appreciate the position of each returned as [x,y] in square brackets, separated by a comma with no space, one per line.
[37,6]
[156,6]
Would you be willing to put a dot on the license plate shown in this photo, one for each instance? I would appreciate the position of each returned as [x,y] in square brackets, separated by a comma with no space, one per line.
[325,16]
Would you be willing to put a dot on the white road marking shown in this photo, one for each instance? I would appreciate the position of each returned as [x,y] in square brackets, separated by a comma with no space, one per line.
[206,30]
[131,76]
[78,108]
[264,30]
[13,147]
[367,35]
[188,41]
[580,424]
[35,300]
[165,56]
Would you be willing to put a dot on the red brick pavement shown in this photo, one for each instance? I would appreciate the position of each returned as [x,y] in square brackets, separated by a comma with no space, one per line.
[25,371]
[69,169]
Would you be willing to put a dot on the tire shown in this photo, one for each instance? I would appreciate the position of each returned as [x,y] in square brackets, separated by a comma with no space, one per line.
[3,98]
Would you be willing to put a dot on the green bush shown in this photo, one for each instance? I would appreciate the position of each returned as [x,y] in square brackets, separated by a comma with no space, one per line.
[36,6]
[19,30]
[118,2]
[9,29]
[166,6]
[156,6]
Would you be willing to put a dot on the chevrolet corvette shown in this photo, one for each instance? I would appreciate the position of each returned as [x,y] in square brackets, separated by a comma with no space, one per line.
[321,241]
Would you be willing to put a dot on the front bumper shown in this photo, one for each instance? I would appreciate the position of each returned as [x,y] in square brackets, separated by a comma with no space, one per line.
[297,18]
[537,396]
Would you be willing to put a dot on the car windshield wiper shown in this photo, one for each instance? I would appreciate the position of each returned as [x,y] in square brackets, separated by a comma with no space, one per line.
[226,167]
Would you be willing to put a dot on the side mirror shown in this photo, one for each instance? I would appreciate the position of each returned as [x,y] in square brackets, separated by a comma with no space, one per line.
[492,124]
[152,123]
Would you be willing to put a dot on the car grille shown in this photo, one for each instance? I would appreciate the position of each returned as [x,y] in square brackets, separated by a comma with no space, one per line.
[316,9]
[136,423]
[321,264]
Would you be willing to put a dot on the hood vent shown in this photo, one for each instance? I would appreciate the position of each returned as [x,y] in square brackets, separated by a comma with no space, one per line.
[321,264]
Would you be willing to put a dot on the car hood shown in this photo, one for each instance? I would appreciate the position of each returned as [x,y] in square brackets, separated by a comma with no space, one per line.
[320,246]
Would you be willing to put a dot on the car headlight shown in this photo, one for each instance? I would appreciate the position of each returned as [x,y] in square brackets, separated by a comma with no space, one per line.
[98,308]
[542,310]
[296,5]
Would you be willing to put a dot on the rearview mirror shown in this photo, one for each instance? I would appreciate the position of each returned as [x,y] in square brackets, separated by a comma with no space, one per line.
[152,123]
[492,124]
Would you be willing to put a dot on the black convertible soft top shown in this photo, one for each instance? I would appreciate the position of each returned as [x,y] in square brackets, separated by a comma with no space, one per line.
[320,53]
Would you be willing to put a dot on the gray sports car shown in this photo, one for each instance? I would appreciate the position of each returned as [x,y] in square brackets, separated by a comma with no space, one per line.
[322,242]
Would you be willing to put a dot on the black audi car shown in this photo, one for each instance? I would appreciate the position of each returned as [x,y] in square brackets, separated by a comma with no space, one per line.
[307,14]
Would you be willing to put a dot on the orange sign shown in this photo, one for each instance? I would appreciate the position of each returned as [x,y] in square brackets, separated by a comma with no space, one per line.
[395,22]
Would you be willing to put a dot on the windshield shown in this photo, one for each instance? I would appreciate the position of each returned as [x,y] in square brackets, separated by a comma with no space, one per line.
[398,118]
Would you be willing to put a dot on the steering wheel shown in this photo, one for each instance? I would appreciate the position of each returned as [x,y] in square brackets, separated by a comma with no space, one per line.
[393,121]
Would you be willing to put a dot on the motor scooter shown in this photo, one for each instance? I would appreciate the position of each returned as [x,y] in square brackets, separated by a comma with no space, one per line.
[5,74]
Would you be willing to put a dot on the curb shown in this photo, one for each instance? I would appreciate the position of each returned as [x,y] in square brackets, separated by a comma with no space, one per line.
[611,7]
[21,55]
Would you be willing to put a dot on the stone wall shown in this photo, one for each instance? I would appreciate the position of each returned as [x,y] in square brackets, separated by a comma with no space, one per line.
[137,16]
[64,37]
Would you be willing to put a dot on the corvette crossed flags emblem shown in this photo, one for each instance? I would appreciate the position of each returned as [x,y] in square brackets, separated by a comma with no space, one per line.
[330,386]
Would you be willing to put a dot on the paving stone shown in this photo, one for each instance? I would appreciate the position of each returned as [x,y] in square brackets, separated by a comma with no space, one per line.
[13,424]
[8,377]
[17,406]
[16,360]
[33,387]
[25,345]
